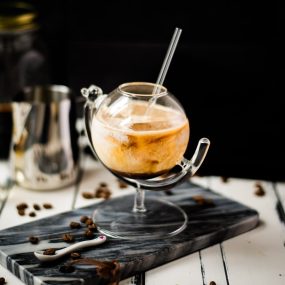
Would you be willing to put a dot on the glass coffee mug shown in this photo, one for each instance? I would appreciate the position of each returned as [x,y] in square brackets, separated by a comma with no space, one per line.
[140,133]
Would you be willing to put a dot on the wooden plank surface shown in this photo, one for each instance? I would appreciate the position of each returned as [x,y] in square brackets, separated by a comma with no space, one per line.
[256,257]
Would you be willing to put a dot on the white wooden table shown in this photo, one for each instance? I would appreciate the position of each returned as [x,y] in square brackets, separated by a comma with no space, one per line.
[255,258]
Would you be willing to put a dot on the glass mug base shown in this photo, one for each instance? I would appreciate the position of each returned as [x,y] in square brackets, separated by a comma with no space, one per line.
[115,218]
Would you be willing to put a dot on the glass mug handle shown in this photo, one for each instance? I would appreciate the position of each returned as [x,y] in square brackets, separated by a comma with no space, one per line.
[183,170]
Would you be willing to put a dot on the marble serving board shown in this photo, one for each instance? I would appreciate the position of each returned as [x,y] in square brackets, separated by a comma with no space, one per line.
[208,224]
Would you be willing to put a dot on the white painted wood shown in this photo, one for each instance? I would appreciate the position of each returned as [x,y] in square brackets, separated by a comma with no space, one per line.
[9,277]
[3,196]
[183,271]
[60,199]
[212,262]
[280,189]
[94,174]
[4,172]
[199,180]
[211,258]
[256,257]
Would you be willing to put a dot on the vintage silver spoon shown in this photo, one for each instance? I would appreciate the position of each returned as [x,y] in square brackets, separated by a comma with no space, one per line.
[61,252]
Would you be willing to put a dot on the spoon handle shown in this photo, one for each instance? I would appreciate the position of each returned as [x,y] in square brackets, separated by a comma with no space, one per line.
[82,244]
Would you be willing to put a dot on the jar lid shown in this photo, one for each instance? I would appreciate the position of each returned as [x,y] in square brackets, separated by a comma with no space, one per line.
[17,17]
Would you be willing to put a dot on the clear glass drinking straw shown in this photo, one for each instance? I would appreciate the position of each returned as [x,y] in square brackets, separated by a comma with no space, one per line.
[164,67]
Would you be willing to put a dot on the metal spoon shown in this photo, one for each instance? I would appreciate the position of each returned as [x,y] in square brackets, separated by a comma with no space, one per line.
[61,252]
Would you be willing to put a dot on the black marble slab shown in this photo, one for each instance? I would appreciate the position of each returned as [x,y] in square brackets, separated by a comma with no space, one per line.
[208,224]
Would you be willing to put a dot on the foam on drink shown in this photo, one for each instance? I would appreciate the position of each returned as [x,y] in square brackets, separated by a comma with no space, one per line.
[139,146]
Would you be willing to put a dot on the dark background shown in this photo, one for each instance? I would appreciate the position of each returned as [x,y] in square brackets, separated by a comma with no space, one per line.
[227,71]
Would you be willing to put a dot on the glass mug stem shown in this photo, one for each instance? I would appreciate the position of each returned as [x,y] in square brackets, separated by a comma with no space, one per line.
[139,206]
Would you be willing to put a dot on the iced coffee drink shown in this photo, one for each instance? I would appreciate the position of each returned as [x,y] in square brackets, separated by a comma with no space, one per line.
[138,141]
[140,132]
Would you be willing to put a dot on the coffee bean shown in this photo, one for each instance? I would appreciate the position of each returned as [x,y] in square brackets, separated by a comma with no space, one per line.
[49,251]
[33,240]
[47,206]
[83,219]
[225,179]
[22,206]
[75,255]
[201,200]
[102,192]
[66,269]
[68,238]
[88,222]
[32,214]
[21,212]
[259,190]
[87,195]
[92,227]
[74,225]
[89,234]
[122,184]
[37,207]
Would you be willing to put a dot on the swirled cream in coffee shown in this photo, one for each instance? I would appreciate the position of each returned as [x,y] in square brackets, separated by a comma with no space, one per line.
[137,145]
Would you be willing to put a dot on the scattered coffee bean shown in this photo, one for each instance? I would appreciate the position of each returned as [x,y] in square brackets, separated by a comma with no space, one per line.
[32,214]
[75,255]
[200,200]
[41,179]
[66,269]
[87,195]
[74,225]
[122,184]
[2,281]
[37,207]
[21,212]
[49,251]
[33,240]
[103,184]
[64,176]
[89,234]
[225,179]
[168,192]
[259,190]
[83,219]
[68,238]
[92,227]
[22,206]
[47,206]
[88,222]
[212,283]
[102,192]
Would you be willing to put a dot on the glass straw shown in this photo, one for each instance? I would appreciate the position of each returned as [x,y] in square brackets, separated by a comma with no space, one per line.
[167,61]
[164,69]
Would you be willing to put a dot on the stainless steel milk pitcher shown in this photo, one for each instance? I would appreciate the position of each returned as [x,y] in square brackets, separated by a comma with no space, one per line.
[44,152]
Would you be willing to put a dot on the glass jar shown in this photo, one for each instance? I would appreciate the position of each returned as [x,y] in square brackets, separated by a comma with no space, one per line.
[22,60]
